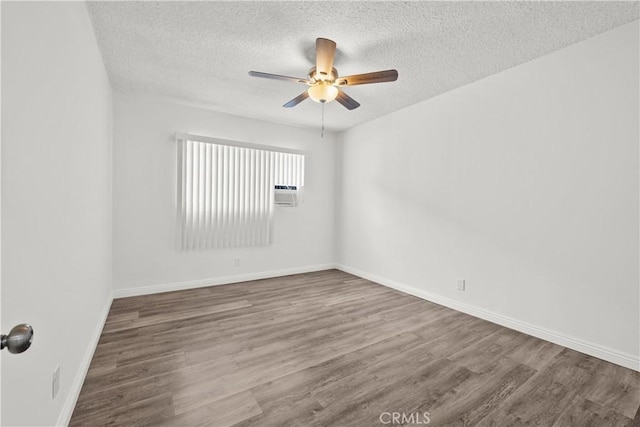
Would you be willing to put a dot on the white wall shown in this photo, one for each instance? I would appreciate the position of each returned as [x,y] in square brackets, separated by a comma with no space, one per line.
[524,183]
[145,255]
[1,326]
[56,202]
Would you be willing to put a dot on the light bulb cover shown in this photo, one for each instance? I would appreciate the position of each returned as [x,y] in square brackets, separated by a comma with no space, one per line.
[323,92]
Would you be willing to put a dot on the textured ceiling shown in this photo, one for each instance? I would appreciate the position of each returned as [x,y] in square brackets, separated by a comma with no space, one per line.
[200,52]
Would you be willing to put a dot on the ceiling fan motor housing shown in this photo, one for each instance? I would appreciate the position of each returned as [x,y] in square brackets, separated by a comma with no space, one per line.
[316,76]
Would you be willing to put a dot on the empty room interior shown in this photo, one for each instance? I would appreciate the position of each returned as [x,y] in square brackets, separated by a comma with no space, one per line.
[344,213]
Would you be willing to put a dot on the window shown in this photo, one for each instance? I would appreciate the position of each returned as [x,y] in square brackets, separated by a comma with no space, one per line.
[226,191]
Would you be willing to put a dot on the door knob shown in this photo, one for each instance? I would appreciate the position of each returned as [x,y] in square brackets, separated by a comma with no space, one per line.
[18,340]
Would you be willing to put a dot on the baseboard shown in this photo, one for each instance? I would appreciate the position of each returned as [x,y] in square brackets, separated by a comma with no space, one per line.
[178,286]
[610,355]
[601,352]
[78,381]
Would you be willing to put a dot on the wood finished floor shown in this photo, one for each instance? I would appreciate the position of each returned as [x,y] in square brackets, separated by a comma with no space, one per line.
[332,349]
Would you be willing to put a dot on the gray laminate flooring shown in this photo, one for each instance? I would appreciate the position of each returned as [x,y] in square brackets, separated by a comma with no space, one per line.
[332,349]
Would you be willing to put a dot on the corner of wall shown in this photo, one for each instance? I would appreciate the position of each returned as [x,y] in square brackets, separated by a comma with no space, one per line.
[85,363]
[338,194]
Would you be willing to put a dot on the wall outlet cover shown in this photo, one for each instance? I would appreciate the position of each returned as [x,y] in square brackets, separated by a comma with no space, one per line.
[55,382]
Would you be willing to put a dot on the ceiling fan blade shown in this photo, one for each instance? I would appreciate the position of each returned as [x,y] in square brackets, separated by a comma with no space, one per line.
[363,79]
[277,77]
[348,102]
[297,100]
[325,52]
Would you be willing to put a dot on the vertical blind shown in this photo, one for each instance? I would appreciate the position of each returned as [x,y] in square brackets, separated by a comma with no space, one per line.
[226,193]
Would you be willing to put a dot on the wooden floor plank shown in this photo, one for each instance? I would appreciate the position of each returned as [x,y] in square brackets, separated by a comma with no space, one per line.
[614,388]
[585,413]
[328,348]
[542,399]
[475,398]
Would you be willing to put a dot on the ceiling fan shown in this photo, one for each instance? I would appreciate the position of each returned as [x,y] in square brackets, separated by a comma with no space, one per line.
[323,81]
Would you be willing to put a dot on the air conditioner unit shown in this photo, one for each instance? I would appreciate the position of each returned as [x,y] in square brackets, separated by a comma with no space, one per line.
[286,195]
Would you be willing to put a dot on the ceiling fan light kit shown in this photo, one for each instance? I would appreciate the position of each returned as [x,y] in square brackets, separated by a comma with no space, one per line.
[323,92]
[323,81]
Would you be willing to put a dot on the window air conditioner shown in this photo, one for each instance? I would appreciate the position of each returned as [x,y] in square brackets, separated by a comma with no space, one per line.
[286,195]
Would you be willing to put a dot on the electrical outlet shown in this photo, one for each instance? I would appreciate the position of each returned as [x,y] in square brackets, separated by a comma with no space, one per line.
[461,284]
[236,262]
[55,383]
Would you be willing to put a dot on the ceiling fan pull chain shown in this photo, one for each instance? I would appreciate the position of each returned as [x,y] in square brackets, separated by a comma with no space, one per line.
[322,131]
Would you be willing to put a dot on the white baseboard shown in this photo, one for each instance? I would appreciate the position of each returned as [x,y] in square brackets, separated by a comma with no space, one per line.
[610,355]
[178,286]
[78,381]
